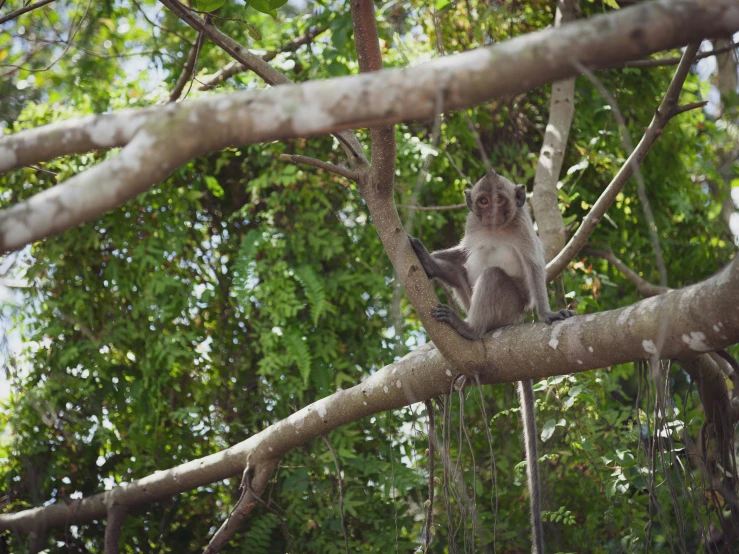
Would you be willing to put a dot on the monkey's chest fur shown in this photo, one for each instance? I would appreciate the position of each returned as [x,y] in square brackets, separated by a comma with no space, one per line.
[486,251]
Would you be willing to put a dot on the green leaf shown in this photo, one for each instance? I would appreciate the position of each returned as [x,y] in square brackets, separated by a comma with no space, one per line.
[548,430]
[314,291]
[193,195]
[253,32]
[611,4]
[298,350]
[337,69]
[263,6]
[209,5]
[441,4]
[277,4]
[214,186]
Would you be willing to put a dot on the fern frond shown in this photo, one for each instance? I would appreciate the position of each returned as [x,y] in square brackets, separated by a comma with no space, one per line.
[298,350]
[314,291]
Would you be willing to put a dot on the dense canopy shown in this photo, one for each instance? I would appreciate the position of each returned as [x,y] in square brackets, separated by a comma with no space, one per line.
[247,285]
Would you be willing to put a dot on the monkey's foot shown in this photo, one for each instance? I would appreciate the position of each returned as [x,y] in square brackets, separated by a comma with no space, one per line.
[551,317]
[423,256]
[447,315]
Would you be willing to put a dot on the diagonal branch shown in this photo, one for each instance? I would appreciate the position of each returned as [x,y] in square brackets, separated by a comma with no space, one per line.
[668,108]
[25,9]
[643,287]
[253,484]
[695,319]
[188,70]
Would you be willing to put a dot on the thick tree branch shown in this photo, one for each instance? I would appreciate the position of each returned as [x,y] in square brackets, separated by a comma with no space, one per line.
[315,108]
[667,109]
[698,318]
[643,287]
[113,526]
[254,63]
[25,9]
[561,110]
[234,67]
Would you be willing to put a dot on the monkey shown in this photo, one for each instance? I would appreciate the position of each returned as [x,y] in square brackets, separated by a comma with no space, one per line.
[497,273]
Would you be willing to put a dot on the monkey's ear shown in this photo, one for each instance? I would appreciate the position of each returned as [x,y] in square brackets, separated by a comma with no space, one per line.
[468,198]
[520,195]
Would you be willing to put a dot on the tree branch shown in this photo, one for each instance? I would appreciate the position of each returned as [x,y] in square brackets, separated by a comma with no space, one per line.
[116,517]
[188,70]
[253,484]
[698,318]
[667,109]
[341,490]
[659,62]
[254,63]
[26,9]
[643,287]
[561,111]
[234,67]
[367,43]
[194,128]
[305,160]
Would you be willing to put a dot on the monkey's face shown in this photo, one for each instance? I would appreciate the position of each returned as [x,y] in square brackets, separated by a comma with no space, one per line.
[495,200]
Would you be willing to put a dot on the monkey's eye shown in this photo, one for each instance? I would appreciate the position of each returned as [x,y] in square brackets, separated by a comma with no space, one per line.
[499,200]
[483,201]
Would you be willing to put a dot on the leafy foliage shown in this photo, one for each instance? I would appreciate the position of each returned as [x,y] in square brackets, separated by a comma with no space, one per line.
[242,288]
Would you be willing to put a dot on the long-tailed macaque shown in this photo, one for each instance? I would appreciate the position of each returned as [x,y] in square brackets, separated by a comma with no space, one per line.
[498,273]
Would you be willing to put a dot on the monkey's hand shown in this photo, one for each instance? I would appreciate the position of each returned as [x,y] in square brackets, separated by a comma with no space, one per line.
[551,317]
[427,262]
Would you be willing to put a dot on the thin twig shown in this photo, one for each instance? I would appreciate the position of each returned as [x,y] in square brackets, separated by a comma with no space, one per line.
[643,287]
[188,70]
[659,62]
[432,439]
[665,112]
[234,67]
[341,490]
[305,160]
[26,9]
[274,512]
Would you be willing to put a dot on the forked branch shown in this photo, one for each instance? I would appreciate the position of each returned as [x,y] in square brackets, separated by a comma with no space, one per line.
[668,108]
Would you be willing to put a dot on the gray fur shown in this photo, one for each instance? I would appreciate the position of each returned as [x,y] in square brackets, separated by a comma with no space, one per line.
[498,272]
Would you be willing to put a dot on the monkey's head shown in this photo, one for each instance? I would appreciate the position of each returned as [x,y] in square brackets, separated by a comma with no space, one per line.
[495,201]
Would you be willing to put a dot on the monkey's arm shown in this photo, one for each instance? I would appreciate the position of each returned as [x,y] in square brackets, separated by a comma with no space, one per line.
[541,298]
[447,266]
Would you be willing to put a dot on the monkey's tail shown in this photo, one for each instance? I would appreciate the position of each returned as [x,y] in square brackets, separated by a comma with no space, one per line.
[526,397]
